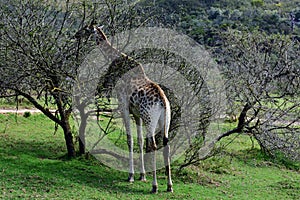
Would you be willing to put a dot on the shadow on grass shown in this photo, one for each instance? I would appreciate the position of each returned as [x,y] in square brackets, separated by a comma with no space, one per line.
[38,166]
[257,158]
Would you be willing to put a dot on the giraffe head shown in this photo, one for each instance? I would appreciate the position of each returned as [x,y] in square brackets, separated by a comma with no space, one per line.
[91,29]
[99,35]
[85,32]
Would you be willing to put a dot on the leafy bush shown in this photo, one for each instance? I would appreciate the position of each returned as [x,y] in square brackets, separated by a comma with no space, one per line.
[27,114]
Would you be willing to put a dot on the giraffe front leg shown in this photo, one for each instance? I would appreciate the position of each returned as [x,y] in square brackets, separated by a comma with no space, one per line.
[131,165]
[141,146]
[126,119]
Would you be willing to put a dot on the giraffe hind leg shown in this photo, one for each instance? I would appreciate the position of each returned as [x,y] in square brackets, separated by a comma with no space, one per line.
[151,149]
[166,153]
[164,126]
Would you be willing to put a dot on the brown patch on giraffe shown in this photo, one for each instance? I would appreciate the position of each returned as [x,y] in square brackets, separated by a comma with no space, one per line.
[157,90]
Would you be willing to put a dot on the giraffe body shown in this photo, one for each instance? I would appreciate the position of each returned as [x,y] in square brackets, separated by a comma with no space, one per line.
[146,101]
[148,104]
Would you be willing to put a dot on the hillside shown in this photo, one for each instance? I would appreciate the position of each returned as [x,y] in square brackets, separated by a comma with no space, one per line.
[203,19]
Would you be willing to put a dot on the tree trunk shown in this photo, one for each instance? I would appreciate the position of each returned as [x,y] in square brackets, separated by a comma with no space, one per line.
[82,137]
[82,127]
[69,139]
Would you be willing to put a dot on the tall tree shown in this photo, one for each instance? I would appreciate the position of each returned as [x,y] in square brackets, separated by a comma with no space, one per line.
[264,88]
[40,55]
[41,52]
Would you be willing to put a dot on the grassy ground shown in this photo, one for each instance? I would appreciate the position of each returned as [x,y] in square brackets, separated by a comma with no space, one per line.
[32,166]
[11,103]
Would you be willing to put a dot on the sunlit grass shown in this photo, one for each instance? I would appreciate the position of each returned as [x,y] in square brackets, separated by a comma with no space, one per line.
[32,166]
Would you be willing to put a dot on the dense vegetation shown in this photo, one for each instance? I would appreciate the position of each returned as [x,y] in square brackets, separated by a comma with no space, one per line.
[203,20]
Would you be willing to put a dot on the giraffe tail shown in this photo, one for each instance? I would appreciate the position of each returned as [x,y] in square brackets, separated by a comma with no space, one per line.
[167,120]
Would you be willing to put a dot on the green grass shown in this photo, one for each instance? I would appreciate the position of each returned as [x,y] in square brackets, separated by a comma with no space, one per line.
[32,166]
[22,103]
[12,103]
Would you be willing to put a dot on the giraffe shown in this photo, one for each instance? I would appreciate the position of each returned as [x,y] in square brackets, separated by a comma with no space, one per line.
[148,104]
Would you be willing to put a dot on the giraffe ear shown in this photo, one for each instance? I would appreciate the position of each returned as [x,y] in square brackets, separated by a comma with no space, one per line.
[98,27]
[93,22]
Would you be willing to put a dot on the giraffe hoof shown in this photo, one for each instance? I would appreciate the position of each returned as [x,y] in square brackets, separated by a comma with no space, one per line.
[130,178]
[143,178]
[154,189]
[170,189]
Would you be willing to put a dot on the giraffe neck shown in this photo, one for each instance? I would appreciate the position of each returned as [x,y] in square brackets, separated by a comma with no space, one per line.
[121,59]
[108,50]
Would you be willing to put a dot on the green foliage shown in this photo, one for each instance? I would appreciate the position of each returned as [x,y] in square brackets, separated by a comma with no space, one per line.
[202,20]
[257,3]
[26,114]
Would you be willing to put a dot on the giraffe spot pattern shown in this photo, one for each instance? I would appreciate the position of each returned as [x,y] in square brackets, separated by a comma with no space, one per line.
[144,99]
